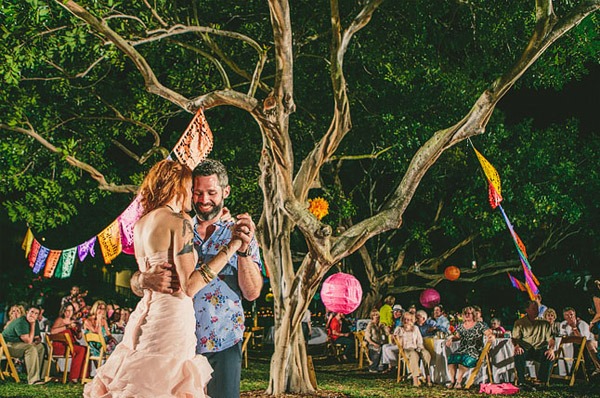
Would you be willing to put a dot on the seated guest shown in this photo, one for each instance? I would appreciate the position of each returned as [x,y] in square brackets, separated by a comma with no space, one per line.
[497,328]
[412,309]
[76,297]
[376,336]
[442,323]
[572,326]
[338,335]
[65,323]
[550,316]
[426,325]
[397,312]
[96,323]
[532,339]
[24,340]
[16,311]
[470,333]
[43,322]
[541,307]
[478,315]
[120,318]
[409,338]
[385,312]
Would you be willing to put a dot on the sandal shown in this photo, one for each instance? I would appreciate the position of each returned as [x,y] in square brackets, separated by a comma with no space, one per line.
[457,386]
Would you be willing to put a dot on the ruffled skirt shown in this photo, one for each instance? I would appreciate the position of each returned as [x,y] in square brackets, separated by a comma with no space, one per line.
[157,355]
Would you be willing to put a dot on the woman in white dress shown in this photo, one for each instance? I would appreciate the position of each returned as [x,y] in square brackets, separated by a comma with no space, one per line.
[157,355]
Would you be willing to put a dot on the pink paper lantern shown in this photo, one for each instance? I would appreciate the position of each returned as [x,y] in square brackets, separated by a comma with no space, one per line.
[429,298]
[341,293]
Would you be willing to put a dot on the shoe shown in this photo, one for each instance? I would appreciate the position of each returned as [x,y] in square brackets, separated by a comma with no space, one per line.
[39,383]
[527,387]
[457,386]
[373,371]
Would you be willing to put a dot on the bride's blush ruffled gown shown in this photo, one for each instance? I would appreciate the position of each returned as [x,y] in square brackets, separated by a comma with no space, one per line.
[157,357]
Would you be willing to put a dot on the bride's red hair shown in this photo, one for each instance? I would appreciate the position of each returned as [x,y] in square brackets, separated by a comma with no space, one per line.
[165,180]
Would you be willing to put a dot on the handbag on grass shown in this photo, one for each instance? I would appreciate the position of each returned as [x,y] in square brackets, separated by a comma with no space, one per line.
[502,388]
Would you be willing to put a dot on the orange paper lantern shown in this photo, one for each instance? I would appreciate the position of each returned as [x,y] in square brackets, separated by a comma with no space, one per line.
[452,273]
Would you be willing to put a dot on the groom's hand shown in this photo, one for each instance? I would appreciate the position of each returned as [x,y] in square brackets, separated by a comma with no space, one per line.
[160,278]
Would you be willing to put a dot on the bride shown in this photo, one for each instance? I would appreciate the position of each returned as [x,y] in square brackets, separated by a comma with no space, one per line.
[157,355]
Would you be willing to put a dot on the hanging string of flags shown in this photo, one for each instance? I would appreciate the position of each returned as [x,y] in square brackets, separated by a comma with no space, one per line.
[193,147]
[495,197]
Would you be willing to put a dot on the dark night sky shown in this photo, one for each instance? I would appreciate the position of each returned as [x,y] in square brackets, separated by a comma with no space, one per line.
[579,99]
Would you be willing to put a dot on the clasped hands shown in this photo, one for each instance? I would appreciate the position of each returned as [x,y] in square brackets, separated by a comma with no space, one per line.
[163,277]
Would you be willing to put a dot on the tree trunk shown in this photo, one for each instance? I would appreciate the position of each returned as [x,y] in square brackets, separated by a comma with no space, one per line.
[289,365]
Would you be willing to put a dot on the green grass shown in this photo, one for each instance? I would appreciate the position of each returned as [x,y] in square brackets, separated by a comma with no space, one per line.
[341,378]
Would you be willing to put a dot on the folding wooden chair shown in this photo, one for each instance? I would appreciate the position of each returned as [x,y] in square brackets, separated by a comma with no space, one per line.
[334,350]
[403,364]
[258,334]
[63,338]
[482,357]
[247,336]
[98,359]
[576,362]
[10,369]
[363,349]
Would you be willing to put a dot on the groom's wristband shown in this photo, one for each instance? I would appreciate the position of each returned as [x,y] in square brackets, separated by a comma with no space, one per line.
[244,253]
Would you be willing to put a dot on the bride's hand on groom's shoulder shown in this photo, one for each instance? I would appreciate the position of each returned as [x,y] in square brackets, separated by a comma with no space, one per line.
[161,278]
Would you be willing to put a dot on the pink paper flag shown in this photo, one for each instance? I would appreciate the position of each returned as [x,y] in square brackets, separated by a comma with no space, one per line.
[127,221]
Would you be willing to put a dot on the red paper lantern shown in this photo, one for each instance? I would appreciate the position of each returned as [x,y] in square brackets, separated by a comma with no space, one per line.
[429,298]
[452,273]
[341,293]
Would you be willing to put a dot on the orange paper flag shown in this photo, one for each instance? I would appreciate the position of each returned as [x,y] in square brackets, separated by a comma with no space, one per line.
[110,241]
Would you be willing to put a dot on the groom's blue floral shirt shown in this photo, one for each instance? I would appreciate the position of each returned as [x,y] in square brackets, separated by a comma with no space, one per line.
[218,306]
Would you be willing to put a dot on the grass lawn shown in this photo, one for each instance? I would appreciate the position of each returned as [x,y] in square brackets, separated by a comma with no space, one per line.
[333,377]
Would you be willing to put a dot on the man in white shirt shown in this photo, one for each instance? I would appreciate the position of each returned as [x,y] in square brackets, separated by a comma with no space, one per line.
[572,326]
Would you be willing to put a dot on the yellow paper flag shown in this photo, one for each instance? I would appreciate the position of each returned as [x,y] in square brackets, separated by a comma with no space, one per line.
[110,241]
[490,172]
[26,245]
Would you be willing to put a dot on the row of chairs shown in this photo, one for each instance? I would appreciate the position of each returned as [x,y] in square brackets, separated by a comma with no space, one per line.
[573,365]
[10,369]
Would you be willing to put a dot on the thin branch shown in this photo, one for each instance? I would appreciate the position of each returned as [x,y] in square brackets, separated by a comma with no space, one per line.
[361,157]
[155,14]
[95,174]
[222,72]
[151,82]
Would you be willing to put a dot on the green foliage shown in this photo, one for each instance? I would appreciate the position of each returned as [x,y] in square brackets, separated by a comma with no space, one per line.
[416,68]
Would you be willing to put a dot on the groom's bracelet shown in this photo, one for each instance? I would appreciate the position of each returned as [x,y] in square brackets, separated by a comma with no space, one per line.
[244,253]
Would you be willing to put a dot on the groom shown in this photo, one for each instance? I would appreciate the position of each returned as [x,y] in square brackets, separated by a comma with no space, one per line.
[218,306]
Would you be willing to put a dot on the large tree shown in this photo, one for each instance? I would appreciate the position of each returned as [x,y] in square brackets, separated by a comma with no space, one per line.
[97,83]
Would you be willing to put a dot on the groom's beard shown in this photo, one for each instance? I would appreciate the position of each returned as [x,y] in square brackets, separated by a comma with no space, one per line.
[210,214]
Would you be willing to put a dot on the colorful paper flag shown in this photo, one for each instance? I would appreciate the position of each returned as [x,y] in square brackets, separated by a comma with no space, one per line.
[86,248]
[27,242]
[66,263]
[195,143]
[35,248]
[127,221]
[40,260]
[110,242]
[490,172]
[51,263]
